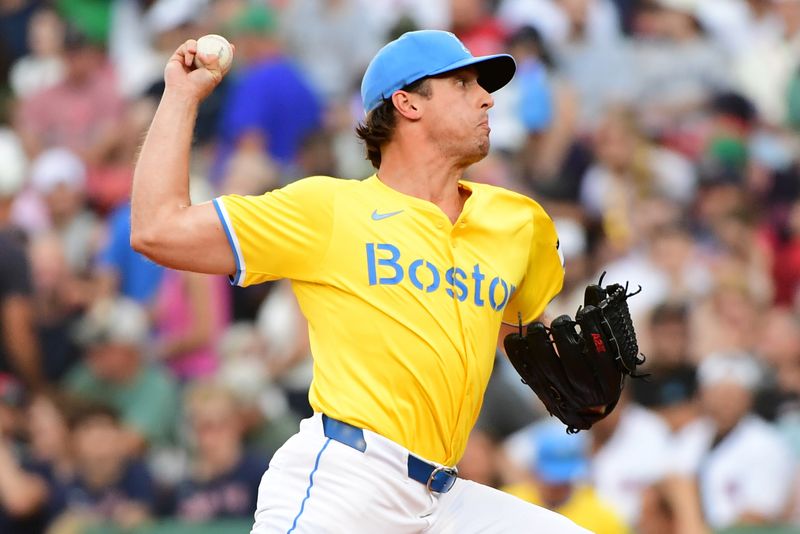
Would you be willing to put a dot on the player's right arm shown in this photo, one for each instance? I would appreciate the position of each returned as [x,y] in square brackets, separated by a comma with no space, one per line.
[165,226]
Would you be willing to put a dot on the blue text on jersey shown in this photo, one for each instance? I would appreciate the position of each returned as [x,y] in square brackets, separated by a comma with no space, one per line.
[385,267]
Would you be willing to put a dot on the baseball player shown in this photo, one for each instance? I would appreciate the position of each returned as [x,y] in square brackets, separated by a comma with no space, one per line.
[405,278]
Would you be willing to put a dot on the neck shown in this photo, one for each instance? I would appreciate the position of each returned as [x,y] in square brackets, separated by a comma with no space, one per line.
[420,172]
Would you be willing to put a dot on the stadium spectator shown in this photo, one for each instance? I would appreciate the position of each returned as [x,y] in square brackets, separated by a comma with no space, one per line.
[691,192]
[31,492]
[779,348]
[535,118]
[320,35]
[47,418]
[288,354]
[748,472]
[629,432]
[116,372]
[628,170]
[80,113]
[59,177]
[191,312]
[14,20]
[268,97]
[59,299]
[677,66]
[721,319]
[764,70]
[19,350]
[108,486]
[669,263]
[559,481]
[476,26]
[267,418]
[591,49]
[597,20]
[121,270]
[43,66]
[224,477]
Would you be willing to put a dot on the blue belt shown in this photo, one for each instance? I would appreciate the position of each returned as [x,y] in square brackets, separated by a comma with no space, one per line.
[436,478]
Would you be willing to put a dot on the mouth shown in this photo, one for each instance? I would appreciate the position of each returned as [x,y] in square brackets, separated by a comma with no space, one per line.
[485,124]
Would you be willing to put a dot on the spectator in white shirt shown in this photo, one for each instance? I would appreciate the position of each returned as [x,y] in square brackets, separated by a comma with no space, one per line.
[628,454]
[747,475]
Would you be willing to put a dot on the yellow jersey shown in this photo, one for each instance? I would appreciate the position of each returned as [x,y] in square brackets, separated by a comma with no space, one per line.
[404,307]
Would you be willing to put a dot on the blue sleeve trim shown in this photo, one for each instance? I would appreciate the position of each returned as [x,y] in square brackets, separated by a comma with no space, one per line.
[238,277]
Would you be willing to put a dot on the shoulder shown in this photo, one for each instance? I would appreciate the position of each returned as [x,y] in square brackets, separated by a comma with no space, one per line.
[501,199]
[323,183]
[496,192]
[316,190]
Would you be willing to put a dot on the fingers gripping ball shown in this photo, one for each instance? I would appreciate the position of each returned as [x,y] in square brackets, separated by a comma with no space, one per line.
[217,45]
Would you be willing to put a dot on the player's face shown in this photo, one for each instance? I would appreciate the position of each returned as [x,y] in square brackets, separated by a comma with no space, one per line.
[457,116]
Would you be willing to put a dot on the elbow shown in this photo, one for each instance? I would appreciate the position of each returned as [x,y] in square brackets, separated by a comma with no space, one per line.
[144,242]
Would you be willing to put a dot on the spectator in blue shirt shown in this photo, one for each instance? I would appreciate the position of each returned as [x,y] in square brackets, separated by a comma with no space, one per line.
[108,485]
[224,478]
[268,99]
[121,268]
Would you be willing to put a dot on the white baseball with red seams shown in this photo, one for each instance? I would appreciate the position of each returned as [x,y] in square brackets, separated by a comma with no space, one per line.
[213,44]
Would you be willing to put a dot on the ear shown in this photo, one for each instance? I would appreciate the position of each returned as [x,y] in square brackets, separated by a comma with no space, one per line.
[407,104]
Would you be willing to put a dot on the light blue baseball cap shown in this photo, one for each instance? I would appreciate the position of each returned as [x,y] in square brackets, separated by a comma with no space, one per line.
[419,54]
[560,457]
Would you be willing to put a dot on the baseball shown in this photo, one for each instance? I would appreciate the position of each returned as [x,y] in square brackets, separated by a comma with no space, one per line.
[213,44]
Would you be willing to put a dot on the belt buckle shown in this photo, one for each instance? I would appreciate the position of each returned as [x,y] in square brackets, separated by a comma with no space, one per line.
[452,471]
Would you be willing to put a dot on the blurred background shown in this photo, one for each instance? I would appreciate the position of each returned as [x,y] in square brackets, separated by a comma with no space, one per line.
[661,135]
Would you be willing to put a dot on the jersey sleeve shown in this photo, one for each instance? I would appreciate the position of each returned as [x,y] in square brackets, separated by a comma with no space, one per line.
[544,276]
[281,234]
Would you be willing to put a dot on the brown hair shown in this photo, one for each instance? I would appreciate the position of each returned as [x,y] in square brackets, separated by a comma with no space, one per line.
[378,128]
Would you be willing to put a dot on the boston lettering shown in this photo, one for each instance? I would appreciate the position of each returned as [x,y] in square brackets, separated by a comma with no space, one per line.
[385,266]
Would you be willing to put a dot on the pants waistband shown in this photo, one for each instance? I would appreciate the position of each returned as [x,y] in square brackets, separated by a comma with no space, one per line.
[436,478]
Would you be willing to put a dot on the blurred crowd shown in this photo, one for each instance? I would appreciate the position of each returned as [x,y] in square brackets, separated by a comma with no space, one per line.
[663,136]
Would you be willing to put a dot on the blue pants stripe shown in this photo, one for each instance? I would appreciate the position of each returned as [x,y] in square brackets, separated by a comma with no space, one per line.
[310,484]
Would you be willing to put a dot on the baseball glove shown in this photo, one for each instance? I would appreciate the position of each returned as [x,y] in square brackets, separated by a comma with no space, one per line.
[581,379]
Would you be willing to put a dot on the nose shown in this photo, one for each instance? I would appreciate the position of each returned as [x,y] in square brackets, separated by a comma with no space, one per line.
[487,100]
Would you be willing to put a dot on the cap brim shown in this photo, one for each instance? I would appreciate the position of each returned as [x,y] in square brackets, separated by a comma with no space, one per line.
[493,71]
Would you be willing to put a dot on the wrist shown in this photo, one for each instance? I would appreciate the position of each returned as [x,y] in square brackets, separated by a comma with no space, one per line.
[181,97]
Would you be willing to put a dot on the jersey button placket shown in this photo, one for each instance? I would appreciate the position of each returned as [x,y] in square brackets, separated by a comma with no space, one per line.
[469,371]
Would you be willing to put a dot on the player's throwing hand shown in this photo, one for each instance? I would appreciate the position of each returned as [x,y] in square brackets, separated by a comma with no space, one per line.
[182,75]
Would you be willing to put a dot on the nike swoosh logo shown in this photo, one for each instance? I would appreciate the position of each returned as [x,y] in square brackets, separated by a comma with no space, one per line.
[379,216]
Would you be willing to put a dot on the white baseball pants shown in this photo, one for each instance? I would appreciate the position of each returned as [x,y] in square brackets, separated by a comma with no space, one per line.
[316,485]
